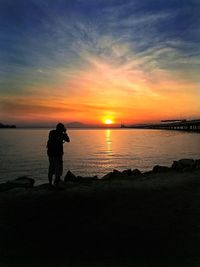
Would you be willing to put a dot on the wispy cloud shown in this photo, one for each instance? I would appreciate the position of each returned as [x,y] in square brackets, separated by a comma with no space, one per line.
[98,54]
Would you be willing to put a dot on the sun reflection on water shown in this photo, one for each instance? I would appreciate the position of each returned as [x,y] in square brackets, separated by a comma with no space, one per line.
[108,138]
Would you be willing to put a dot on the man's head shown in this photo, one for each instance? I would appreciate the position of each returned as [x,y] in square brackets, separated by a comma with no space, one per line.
[60,127]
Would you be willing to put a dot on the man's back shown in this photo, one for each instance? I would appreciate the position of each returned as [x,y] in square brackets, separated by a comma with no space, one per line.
[55,143]
[55,152]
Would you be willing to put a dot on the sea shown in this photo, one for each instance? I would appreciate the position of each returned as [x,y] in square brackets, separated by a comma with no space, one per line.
[93,151]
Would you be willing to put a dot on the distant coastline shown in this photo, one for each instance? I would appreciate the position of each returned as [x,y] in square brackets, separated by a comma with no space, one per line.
[68,125]
[7,126]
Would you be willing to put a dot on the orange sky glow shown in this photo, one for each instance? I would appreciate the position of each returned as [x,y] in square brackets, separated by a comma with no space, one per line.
[122,94]
[75,66]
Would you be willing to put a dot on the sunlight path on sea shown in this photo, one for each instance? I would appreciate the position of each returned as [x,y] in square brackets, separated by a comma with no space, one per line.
[93,151]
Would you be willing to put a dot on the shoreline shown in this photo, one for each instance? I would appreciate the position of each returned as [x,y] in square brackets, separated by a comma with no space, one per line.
[144,219]
[180,166]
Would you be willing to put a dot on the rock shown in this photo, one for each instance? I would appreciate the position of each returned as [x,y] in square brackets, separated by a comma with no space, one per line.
[5,187]
[22,182]
[107,176]
[116,173]
[184,165]
[88,179]
[127,172]
[70,177]
[121,175]
[112,175]
[197,164]
[136,172]
[78,178]
[187,162]
[177,166]
[158,169]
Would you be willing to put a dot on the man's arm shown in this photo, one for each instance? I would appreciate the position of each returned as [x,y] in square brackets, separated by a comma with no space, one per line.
[66,138]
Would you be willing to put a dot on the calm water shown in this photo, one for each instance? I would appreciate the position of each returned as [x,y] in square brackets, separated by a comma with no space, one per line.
[93,152]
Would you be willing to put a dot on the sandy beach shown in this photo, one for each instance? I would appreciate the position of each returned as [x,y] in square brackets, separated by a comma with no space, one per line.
[148,219]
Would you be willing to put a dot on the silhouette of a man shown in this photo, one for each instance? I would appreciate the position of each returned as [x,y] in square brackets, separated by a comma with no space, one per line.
[55,152]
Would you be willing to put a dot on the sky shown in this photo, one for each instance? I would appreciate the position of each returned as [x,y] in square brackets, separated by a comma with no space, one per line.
[92,61]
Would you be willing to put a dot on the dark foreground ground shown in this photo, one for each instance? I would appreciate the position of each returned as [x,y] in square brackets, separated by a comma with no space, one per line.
[151,221]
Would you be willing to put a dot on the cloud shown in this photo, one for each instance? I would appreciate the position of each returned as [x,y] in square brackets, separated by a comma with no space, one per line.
[94,54]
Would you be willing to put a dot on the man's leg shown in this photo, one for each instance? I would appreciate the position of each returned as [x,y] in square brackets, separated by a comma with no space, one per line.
[50,177]
[57,180]
[51,169]
[58,169]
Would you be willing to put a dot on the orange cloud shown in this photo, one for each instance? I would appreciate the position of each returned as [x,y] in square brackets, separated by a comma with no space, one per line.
[124,92]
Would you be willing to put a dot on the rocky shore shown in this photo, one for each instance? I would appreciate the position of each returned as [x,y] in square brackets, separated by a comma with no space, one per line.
[125,218]
[181,166]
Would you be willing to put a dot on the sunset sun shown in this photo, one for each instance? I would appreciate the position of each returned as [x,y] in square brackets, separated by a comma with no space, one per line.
[108,121]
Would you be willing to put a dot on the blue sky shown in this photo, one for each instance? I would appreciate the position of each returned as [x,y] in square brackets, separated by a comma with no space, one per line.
[51,44]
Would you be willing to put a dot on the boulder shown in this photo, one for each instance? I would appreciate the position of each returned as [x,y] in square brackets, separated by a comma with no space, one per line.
[136,172]
[127,172]
[24,182]
[70,177]
[88,179]
[130,172]
[177,166]
[116,173]
[95,177]
[184,165]
[107,176]
[113,175]
[5,187]
[187,162]
[197,164]
[121,175]
[159,169]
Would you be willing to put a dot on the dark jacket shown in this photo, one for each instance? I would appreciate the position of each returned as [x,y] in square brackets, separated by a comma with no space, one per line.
[55,143]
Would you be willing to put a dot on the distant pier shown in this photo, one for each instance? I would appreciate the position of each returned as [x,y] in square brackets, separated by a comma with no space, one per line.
[175,125]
